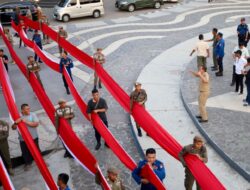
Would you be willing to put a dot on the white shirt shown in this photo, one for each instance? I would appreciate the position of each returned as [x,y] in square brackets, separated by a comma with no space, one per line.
[239,65]
[244,50]
[201,48]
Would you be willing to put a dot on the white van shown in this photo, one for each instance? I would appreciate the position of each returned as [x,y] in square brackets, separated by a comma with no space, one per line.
[67,9]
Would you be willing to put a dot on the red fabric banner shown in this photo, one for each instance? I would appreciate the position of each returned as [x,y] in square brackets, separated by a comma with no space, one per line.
[206,179]
[9,99]
[97,122]
[69,137]
[5,178]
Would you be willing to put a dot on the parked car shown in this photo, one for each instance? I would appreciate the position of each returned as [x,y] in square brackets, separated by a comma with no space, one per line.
[131,5]
[7,10]
[67,9]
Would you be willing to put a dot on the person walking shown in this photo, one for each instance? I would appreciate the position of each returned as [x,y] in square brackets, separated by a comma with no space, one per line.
[219,49]
[34,67]
[245,54]
[66,62]
[5,59]
[62,181]
[247,82]
[239,67]
[38,40]
[63,34]
[4,146]
[202,49]
[214,40]
[198,149]
[98,58]
[139,96]
[31,121]
[97,105]
[66,112]
[156,165]
[113,179]
[9,38]
[243,32]
[204,89]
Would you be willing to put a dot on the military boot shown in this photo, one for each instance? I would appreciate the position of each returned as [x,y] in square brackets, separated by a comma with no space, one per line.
[67,90]
[139,132]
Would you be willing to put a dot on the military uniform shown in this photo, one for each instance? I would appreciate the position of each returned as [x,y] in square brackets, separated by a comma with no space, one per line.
[114,185]
[214,53]
[62,33]
[138,96]
[204,93]
[34,67]
[158,168]
[4,146]
[100,58]
[189,178]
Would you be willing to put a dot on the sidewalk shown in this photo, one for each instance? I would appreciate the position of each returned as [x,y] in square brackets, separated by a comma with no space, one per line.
[162,79]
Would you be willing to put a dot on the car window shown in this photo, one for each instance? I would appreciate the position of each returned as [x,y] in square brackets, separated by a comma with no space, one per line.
[73,2]
[82,2]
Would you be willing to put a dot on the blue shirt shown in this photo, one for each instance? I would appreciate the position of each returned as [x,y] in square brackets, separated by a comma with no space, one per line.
[37,39]
[63,62]
[242,29]
[219,49]
[67,188]
[158,169]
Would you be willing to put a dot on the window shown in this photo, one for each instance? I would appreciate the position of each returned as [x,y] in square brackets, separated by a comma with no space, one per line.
[73,3]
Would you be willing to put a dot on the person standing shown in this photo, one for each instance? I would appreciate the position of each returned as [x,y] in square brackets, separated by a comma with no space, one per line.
[66,62]
[31,121]
[240,62]
[219,49]
[243,32]
[198,149]
[62,181]
[204,89]
[4,146]
[202,49]
[66,112]
[38,40]
[245,54]
[247,82]
[24,28]
[156,165]
[98,58]
[97,105]
[5,59]
[214,40]
[63,34]
[139,96]
[34,67]
[113,179]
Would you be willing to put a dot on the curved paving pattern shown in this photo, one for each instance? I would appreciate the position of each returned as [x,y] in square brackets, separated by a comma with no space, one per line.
[130,47]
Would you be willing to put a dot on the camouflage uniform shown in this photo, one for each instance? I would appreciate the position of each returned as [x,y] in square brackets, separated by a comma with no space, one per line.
[34,67]
[100,58]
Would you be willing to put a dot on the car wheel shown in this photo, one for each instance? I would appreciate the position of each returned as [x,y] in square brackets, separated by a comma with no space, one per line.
[131,8]
[157,5]
[96,14]
[65,18]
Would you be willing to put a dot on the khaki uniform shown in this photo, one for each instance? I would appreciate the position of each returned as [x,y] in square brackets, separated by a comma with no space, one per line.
[63,112]
[189,178]
[214,54]
[4,146]
[100,58]
[136,96]
[63,34]
[35,67]
[114,185]
[204,93]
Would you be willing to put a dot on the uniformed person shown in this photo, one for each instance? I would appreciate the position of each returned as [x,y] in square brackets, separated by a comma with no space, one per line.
[156,165]
[62,33]
[66,112]
[66,62]
[4,146]
[198,149]
[113,179]
[34,67]
[214,40]
[204,90]
[139,96]
[98,58]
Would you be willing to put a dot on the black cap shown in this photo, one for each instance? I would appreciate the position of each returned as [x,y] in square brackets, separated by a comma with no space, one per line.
[238,52]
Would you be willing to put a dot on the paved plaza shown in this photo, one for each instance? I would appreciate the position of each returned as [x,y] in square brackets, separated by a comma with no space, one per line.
[152,47]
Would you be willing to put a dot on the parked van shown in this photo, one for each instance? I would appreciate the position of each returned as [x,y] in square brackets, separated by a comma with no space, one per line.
[67,9]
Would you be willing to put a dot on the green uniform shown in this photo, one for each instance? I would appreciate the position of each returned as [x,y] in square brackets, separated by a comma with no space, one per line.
[4,146]
[63,112]
[114,185]
[34,67]
[214,54]
[138,96]
[63,34]
[189,178]
[100,58]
